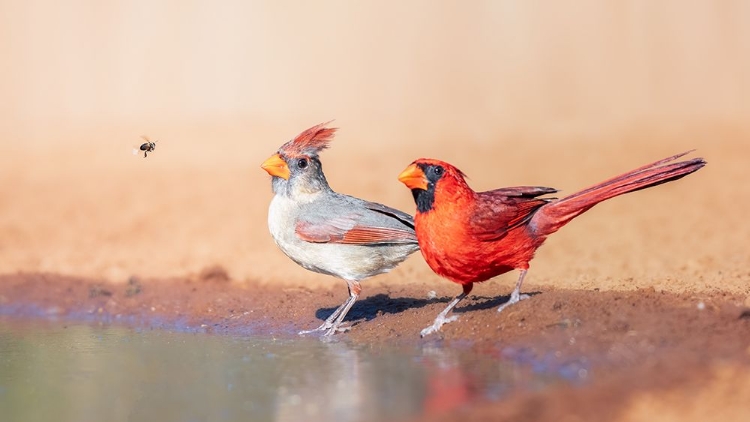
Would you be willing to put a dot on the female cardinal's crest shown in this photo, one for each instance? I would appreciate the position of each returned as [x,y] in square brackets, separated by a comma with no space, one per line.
[311,141]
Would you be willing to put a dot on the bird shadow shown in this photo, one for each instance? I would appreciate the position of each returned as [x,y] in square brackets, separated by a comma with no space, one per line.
[478,303]
[370,307]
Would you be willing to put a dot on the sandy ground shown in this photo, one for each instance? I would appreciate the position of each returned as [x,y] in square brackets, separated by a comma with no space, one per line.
[182,235]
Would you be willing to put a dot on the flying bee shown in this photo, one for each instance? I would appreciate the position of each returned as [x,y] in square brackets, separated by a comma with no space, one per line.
[146,147]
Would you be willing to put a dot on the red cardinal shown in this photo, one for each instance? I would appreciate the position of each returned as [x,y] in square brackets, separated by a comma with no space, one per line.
[469,236]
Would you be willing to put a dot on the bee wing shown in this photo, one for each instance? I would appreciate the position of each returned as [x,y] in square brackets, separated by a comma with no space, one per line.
[145,138]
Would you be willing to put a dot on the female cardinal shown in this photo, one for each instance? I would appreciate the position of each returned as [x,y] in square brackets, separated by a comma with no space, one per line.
[469,237]
[327,232]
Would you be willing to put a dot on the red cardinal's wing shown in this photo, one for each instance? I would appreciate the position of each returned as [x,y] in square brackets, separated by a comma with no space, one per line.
[522,191]
[498,211]
[349,229]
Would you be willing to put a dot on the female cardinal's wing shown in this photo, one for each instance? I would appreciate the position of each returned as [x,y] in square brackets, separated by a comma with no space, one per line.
[350,220]
[401,216]
[498,211]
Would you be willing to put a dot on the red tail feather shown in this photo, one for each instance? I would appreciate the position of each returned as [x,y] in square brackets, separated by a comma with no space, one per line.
[556,214]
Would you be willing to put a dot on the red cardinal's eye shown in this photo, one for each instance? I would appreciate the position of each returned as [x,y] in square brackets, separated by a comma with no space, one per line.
[302,163]
[437,171]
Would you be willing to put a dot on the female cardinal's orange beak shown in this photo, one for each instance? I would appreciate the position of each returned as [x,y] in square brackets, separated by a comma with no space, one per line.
[276,166]
[413,177]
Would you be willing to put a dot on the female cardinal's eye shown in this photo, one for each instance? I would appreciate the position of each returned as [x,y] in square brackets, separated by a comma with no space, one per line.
[302,163]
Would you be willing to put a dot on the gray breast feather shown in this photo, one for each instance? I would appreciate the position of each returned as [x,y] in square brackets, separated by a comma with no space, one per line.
[347,261]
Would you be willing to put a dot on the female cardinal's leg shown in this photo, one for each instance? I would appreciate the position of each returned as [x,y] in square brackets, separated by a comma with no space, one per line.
[329,322]
[354,290]
[516,296]
[441,318]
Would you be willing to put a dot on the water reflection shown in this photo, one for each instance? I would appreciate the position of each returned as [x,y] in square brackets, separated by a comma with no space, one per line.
[81,372]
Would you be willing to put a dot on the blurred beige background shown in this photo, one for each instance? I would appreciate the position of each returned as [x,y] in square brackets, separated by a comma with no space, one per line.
[513,92]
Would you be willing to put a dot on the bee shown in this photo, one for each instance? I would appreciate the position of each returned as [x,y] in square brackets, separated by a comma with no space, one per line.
[146,147]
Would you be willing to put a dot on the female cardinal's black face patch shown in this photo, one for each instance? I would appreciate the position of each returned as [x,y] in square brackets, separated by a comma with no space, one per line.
[425,199]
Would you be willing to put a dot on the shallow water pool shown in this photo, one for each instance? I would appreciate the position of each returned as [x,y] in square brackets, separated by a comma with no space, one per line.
[68,371]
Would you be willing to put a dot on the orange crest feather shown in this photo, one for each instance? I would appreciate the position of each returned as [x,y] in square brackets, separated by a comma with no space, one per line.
[310,142]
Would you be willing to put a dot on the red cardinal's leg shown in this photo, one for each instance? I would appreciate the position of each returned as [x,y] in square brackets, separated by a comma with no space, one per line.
[516,296]
[441,318]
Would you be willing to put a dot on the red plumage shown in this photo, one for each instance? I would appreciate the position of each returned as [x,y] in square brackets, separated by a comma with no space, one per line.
[470,237]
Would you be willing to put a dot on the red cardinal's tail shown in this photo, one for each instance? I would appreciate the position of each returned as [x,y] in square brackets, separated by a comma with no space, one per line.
[556,214]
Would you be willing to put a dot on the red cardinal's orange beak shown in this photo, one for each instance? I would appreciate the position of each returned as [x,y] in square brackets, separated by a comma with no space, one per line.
[413,177]
[276,166]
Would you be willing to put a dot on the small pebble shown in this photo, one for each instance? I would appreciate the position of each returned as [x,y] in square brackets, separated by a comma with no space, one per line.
[701,306]
[431,295]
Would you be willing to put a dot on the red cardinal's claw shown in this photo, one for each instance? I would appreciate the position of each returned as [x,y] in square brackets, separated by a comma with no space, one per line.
[435,327]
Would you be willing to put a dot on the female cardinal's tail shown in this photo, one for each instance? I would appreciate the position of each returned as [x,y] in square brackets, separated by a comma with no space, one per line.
[556,214]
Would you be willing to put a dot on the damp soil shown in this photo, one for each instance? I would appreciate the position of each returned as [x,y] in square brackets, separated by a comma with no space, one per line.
[637,345]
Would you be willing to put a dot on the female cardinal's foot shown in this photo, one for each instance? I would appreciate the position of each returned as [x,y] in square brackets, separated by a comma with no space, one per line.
[332,323]
[329,322]
[435,327]
[337,329]
[326,326]
[515,297]
[329,328]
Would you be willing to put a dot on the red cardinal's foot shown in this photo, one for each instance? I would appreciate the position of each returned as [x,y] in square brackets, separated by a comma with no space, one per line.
[435,327]
[515,297]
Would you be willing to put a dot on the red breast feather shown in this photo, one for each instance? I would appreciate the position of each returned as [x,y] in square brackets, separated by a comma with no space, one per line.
[471,237]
